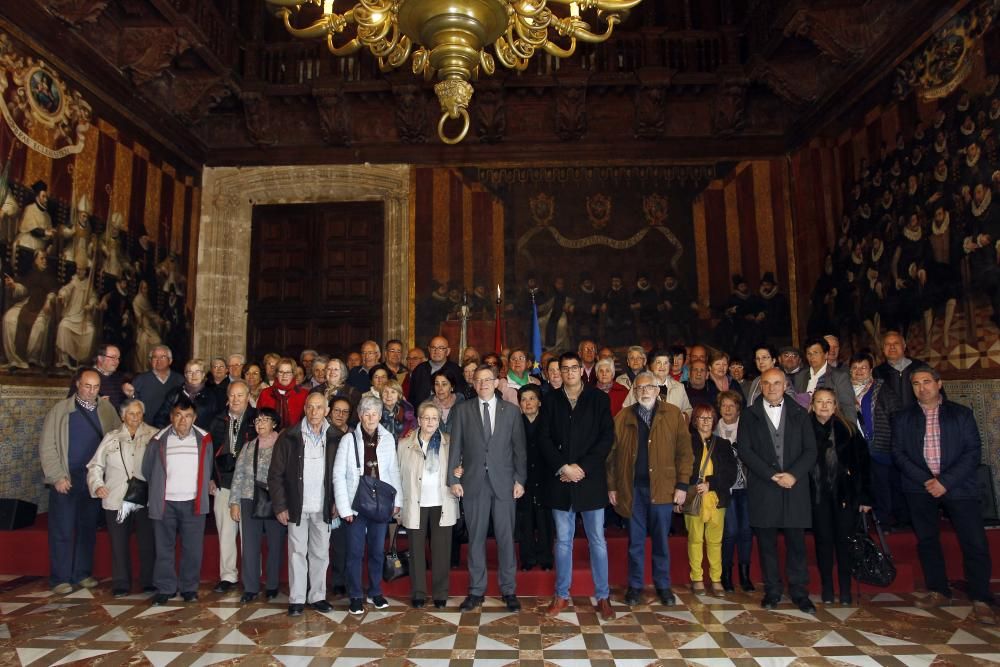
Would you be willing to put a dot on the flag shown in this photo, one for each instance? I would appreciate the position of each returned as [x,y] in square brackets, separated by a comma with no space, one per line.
[536,335]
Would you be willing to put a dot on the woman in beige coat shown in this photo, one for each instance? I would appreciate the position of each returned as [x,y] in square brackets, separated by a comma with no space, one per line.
[428,504]
[119,457]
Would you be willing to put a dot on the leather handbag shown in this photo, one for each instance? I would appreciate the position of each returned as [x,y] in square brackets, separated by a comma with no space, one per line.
[396,563]
[871,563]
[374,498]
[262,508]
[692,505]
[137,491]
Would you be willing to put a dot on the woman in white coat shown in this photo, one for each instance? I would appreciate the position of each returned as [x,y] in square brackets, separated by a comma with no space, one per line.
[376,456]
[428,504]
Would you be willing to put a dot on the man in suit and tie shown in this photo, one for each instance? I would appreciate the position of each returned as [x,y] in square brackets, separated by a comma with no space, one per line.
[778,448]
[487,442]
[821,375]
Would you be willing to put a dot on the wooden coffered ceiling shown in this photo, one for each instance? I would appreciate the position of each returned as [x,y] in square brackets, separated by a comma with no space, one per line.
[218,82]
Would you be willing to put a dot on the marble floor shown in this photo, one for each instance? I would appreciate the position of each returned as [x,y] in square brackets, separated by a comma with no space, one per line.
[92,628]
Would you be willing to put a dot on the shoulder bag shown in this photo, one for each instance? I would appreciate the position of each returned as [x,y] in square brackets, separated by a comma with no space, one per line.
[396,563]
[137,491]
[374,498]
[871,563]
[262,508]
[692,505]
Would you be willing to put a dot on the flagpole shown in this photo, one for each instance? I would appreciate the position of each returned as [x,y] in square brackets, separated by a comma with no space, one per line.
[463,337]
[498,327]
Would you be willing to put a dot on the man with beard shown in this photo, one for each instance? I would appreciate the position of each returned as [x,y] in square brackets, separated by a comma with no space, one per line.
[619,324]
[26,323]
[586,309]
[644,302]
[35,230]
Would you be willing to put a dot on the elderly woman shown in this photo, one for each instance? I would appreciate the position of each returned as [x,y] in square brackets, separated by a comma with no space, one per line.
[251,472]
[517,375]
[713,474]
[217,374]
[468,371]
[428,506]
[766,358]
[255,382]
[379,375]
[397,413]
[119,457]
[368,450]
[635,360]
[444,396]
[736,534]
[617,392]
[270,361]
[718,373]
[205,399]
[337,387]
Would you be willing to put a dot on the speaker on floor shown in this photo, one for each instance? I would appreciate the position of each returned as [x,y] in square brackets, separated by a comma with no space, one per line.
[16,513]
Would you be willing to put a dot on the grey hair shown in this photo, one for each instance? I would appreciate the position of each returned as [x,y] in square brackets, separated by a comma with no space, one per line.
[369,403]
[644,374]
[344,372]
[636,348]
[236,383]
[428,405]
[128,402]
[239,356]
[166,349]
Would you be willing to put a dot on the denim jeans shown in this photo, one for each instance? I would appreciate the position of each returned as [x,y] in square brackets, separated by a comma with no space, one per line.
[363,533]
[72,532]
[653,520]
[593,524]
[737,536]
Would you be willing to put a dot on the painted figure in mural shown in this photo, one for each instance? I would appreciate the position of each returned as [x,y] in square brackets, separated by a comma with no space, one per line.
[148,325]
[8,220]
[26,323]
[619,325]
[78,245]
[35,231]
[75,333]
[553,321]
[644,302]
[174,318]
[116,263]
[117,323]
[586,309]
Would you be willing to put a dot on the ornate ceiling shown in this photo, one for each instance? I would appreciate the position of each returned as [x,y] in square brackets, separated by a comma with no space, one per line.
[219,82]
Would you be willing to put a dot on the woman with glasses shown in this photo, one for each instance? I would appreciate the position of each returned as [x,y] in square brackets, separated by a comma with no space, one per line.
[255,382]
[249,479]
[428,507]
[337,387]
[444,397]
[206,401]
[518,363]
[284,396]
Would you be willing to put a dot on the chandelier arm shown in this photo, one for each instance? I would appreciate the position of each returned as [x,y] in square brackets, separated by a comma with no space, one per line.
[604,5]
[530,35]
[554,49]
[585,35]
[378,44]
[401,53]
[347,49]
[314,31]
[528,9]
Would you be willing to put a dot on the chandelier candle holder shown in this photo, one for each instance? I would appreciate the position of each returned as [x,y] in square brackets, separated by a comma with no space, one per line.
[451,36]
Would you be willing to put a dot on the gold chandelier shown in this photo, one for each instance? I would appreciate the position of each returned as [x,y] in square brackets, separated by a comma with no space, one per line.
[451,36]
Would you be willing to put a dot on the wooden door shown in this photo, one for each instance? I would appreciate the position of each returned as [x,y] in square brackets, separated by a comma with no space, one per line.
[315,277]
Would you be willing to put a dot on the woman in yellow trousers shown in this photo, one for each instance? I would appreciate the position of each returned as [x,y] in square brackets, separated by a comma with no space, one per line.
[713,474]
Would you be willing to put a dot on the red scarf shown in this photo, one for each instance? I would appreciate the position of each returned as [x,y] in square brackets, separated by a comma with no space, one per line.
[280,394]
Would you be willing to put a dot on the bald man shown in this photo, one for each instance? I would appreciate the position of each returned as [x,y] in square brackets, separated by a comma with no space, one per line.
[420,379]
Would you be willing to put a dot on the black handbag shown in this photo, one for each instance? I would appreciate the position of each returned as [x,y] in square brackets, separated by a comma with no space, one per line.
[137,491]
[396,563]
[871,563]
[374,498]
[262,508]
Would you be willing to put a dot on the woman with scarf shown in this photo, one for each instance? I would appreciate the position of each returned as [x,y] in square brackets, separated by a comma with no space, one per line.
[635,363]
[840,489]
[204,398]
[444,396]
[429,508]
[397,413]
[718,373]
[251,471]
[337,387]
[284,396]
[617,392]
[712,475]
[517,375]
[736,532]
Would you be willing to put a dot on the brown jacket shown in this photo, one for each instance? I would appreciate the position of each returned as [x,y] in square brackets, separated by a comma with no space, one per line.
[670,456]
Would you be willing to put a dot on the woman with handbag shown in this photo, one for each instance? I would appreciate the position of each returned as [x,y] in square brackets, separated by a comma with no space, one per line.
[841,488]
[428,506]
[114,475]
[713,474]
[367,491]
[737,536]
[250,504]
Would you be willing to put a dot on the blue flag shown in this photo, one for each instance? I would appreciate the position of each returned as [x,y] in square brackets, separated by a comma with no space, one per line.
[536,335]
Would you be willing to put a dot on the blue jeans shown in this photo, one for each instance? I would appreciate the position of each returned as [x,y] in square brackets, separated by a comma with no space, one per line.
[738,534]
[653,519]
[593,524]
[72,532]
[360,533]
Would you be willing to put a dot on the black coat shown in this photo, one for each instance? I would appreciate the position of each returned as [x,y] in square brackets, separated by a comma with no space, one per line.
[850,480]
[772,506]
[723,467]
[421,386]
[583,436]
[284,476]
[225,463]
[899,382]
[206,404]
[961,450]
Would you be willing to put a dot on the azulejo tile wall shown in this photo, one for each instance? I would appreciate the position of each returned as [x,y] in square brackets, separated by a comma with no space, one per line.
[22,412]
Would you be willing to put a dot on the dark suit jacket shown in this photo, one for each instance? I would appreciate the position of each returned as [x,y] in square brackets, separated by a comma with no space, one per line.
[834,378]
[491,466]
[225,463]
[898,381]
[284,476]
[961,449]
[582,435]
[772,506]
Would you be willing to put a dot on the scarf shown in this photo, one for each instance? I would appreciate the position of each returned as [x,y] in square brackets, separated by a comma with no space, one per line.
[85,404]
[605,386]
[193,390]
[432,452]
[827,463]
[519,382]
[280,394]
[267,441]
[645,414]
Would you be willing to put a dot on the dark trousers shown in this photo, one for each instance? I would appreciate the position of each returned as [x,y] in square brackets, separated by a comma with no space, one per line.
[178,519]
[361,533]
[338,555]
[737,536]
[72,533]
[882,495]
[253,532]
[796,565]
[967,520]
[832,526]
[535,531]
[653,520]
[430,521]
[120,535]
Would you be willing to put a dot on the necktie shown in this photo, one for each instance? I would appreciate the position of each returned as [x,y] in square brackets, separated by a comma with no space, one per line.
[487,428]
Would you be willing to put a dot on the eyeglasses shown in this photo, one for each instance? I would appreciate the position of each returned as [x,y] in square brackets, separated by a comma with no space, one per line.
[519,357]
[115,357]
[438,348]
[646,387]
[262,420]
[570,369]
[342,411]
[703,418]
[286,373]
[186,373]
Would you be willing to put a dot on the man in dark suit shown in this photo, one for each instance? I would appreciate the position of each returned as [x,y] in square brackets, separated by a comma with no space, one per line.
[897,368]
[936,446]
[778,448]
[487,442]
[820,375]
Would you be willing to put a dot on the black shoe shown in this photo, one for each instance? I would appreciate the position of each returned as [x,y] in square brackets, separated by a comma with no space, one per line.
[271,594]
[806,605]
[296,609]
[190,596]
[357,606]
[223,586]
[322,606]
[379,602]
[546,567]
[149,589]
[745,582]
[525,567]
[770,601]
[247,598]
[727,580]
[471,602]
[418,603]
[827,595]
[513,604]
[845,600]
[440,604]
[339,590]
[666,596]
[633,596]
[120,592]
[161,598]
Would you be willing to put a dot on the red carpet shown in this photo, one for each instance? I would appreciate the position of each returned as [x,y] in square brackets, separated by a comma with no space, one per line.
[25,552]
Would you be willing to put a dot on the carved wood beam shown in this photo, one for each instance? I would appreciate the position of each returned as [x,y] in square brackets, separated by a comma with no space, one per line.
[842,33]
[76,12]
[145,52]
[797,81]
[219,54]
[334,115]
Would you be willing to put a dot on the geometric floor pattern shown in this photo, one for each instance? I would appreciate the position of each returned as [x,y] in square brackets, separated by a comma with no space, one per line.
[92,628]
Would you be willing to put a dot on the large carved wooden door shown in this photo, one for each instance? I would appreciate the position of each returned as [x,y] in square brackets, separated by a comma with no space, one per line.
[315,277]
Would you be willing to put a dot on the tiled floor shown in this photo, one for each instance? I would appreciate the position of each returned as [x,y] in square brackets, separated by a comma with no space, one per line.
[39,628]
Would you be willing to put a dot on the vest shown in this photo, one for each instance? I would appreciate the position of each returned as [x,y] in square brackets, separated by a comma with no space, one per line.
[778,435]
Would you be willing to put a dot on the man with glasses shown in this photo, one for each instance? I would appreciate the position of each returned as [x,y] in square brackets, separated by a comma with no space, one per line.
[414,358]
[114,384]
[235,364]
[196,390]
[421,385]
[648,469]
[359,377]
[487,442]
[394,359]
[575,438]
[153,386]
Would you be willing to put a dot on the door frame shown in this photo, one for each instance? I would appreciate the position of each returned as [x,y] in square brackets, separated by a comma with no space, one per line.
[230,193]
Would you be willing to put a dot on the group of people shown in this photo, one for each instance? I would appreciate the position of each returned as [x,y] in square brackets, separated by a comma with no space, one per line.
[486,445]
